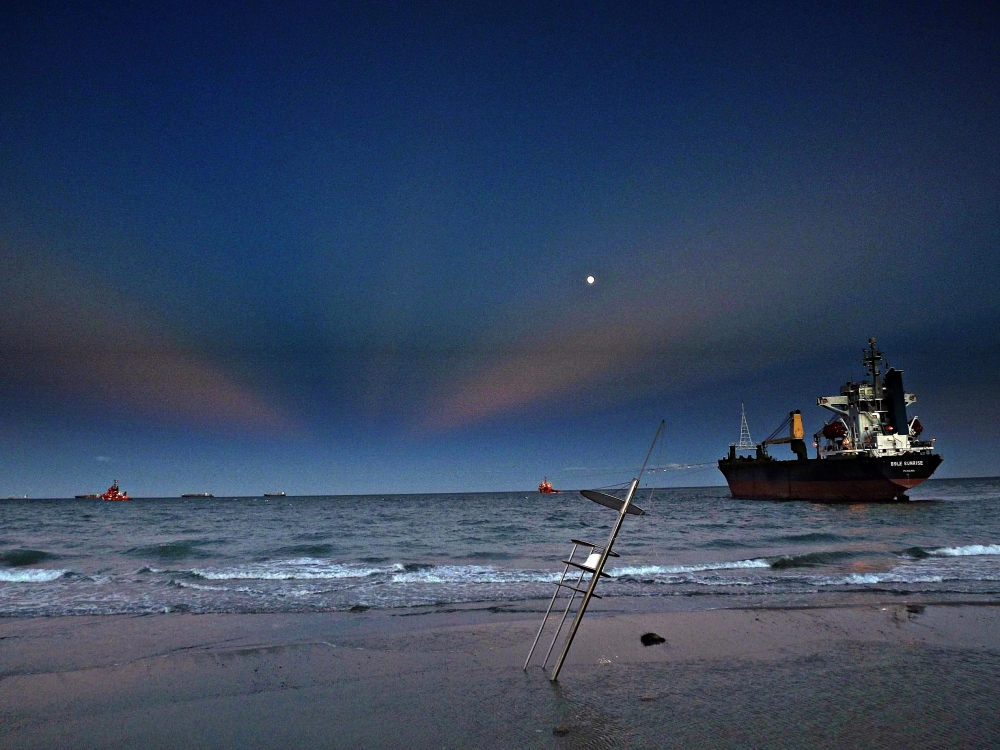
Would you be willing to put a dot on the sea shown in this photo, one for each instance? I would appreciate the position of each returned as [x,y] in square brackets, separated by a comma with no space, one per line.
[694,548]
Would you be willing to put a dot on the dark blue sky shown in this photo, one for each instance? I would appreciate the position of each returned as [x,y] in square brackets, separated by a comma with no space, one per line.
[336,248]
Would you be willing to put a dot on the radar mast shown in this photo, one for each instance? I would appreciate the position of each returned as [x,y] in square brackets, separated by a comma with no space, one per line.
[870,360]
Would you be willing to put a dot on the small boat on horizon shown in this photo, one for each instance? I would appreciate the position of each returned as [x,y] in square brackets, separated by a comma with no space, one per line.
[115,494]
[274,494]
[86,497]
[546,488]
[197,494]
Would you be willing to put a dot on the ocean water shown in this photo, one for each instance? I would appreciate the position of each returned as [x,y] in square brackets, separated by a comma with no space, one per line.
[694,548]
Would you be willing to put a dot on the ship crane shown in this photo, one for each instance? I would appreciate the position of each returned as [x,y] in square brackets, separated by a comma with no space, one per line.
[795,438]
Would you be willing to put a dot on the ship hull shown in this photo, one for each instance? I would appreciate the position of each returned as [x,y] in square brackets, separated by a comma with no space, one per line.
[832,480]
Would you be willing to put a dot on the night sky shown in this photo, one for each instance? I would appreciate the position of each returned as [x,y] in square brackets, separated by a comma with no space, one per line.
[342,248]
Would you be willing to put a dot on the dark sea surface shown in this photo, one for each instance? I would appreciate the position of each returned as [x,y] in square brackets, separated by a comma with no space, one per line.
[694,548]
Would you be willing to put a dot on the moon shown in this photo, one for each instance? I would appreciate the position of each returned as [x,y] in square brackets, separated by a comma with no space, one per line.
[591,279]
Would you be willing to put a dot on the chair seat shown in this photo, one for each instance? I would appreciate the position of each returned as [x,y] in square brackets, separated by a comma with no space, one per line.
[585,567]
[592,546]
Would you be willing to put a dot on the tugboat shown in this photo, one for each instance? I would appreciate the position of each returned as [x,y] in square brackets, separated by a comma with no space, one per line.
[870,451]
[114,493]
[546,488]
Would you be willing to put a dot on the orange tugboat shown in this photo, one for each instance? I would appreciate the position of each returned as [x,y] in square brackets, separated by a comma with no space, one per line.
[114,493]
[546,488]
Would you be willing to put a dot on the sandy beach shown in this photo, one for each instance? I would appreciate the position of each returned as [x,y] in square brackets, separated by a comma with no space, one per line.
[887,675]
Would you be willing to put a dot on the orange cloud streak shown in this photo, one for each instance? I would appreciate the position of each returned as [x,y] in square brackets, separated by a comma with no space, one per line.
[563,359]
[81,340]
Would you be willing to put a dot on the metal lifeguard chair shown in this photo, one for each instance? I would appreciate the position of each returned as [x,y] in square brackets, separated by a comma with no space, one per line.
[592,565]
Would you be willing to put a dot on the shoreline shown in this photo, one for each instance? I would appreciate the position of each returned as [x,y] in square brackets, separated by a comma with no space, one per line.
[888,673]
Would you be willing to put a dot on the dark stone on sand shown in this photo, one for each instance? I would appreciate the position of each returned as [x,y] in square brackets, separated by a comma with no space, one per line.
[359,608]
[652,639]
[915,609]
[560,731]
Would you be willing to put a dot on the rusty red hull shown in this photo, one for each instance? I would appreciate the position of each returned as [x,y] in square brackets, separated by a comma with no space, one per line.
[841,480]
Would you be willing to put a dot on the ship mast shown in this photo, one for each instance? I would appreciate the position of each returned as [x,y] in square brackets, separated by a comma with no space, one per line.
[870,360]
[746,442]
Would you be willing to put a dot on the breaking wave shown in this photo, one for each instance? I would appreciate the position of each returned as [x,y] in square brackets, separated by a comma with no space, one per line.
[867,579]
[472,574]
[809,559]
[400,573]
[31,575]
[640,571]
[972,549]
[16,558]
[287,570]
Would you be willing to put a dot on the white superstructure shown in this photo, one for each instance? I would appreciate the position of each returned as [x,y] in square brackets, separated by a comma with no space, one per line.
[871,417]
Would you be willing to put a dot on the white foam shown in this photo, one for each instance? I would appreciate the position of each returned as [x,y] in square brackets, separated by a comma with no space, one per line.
[200,587]
[287,570]
[31,575]
[472,574]
[863,579]
[728,582]
[972,549]
[654,570]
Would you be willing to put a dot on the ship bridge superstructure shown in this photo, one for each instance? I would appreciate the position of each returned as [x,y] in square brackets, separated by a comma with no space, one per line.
[871,416]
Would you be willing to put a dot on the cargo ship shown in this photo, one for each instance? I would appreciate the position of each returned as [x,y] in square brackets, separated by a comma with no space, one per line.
[869,451]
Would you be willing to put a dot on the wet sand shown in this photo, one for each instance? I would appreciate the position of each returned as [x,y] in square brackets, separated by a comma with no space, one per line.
[887,675]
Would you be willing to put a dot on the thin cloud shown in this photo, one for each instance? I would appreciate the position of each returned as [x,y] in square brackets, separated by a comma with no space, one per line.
[78,338]
[566,357]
